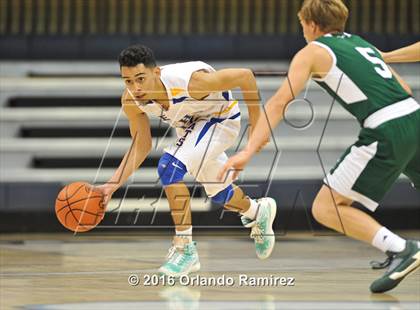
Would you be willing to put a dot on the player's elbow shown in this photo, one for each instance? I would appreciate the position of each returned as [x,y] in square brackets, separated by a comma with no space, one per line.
[246,79]
[408,89]
[248,75]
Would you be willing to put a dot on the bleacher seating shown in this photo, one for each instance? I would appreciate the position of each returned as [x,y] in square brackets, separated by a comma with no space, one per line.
[57,120]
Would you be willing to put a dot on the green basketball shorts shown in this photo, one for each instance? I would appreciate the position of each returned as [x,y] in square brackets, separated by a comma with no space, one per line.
[388,145]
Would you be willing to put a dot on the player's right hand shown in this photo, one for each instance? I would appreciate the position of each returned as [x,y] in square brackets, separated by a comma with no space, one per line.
[107,190]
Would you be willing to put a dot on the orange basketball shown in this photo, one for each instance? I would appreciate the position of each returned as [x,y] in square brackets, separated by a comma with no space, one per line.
[79,207]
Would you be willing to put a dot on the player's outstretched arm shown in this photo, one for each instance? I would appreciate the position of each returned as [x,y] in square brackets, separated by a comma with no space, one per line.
[299,73]
[409,53]
[140,148]
[203,83]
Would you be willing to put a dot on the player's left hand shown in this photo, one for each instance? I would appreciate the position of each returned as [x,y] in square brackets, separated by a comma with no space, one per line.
[236,164]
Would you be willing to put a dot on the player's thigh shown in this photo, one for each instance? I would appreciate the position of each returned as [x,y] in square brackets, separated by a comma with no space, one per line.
[330,197]
[204,142]
[207,175]
[366,171]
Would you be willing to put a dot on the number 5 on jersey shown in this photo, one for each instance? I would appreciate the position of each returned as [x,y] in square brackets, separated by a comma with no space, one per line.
[369,54]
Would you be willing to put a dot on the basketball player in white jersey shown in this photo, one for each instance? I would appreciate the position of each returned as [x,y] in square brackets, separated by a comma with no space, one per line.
[196,100]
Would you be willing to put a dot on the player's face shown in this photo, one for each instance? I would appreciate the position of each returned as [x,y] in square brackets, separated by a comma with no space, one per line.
[141,81]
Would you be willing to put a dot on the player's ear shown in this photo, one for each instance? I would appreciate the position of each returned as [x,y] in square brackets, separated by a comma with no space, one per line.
[318,30]
[156,70]
[314,27]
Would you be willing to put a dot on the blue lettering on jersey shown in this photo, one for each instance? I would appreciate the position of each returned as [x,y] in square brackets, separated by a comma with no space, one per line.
[178,100]
[181,140]
[225,95]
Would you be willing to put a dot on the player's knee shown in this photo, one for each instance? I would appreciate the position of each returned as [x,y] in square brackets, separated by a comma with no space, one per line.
[170,170]
[223,196]
[320,209]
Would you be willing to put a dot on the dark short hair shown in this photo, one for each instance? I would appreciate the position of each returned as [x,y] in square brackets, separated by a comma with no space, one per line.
[135,55]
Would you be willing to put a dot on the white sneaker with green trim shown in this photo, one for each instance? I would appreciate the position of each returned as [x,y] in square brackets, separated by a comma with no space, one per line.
[182,261]
[262,227]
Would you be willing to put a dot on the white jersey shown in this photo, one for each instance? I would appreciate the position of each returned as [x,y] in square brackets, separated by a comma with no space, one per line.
[183,109]
[205,128]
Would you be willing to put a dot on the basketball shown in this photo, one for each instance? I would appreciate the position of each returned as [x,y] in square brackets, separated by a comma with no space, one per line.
[79,207]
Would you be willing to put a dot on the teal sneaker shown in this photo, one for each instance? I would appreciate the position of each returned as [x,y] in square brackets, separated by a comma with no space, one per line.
[262,227]
[170,256]
[400,264]
[181,261]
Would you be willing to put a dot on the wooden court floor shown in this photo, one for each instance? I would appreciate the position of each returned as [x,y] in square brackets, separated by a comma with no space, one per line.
[90,271]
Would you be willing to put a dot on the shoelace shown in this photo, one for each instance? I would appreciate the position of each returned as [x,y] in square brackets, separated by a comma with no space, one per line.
[171,252]
[391,261]
[173,255]
[180,259]
[256,233]
[382,265]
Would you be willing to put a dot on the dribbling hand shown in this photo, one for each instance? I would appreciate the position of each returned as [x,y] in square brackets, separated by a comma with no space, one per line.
[107,190]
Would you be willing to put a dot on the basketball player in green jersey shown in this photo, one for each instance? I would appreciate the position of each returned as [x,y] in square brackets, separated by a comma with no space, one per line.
[353,72]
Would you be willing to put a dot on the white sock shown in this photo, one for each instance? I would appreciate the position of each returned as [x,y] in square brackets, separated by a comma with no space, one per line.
[185,233]
[251,213]
[386,240]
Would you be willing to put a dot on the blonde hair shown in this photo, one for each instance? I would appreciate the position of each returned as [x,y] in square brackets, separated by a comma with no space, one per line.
[329,15]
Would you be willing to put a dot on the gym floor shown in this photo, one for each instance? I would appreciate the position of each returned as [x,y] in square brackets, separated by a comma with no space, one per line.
[91,271]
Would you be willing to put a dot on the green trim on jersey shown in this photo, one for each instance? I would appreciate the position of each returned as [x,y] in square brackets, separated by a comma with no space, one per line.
[360,80]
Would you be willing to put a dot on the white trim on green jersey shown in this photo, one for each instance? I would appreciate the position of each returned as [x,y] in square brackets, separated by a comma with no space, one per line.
[343,178]
[359,79]
[391,112]
[339,82]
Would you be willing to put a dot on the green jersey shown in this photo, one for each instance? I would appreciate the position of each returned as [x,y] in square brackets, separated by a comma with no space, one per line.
[359,78]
